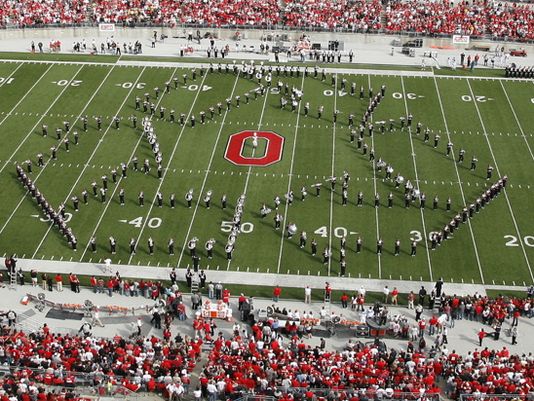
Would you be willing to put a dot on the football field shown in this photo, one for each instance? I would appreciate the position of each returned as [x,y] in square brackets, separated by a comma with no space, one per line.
[490,118]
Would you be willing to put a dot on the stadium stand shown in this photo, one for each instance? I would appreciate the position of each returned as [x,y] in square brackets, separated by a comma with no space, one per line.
[495,20]
[267,360]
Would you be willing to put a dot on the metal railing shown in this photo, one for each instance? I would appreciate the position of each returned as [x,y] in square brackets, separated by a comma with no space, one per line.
[333,394]
[496,397]
[84,383]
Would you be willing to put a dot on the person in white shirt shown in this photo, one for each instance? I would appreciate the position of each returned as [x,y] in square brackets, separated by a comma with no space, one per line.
[385,291]
[96,319]
[307,295]
[212,391]
[197,394]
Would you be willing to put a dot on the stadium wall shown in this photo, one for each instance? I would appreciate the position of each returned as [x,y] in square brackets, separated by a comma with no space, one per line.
[131,34]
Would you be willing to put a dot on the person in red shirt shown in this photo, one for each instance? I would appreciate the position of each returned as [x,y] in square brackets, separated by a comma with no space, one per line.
[516,315]
[327,291]
[395,296]
[277,291]
[110,286]
[226,296]
[94,283]
[59,282]
[241,301]
[344,300]
[481,335]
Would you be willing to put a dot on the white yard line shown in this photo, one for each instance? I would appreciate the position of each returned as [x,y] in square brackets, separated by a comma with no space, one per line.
[417,182]
[504,190]
[11,75]
[100,142]
[376,191]
[8,114]
[331,217]
[459,183]
[117,186]
[267,92]
[517,121]
[43,115]
[46,164]
[166,170]
[207,174]
[286,208]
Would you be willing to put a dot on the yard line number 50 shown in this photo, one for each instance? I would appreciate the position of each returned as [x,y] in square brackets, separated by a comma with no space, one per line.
[528,240]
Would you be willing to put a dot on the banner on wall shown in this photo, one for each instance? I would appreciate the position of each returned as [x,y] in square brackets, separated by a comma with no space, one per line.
[460,39]
[106,27]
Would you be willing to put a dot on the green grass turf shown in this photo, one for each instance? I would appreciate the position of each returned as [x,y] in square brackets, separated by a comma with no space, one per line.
[58,57]
[107,58]
[495,127]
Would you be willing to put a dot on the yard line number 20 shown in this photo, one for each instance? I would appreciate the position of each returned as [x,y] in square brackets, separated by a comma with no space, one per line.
[528,240]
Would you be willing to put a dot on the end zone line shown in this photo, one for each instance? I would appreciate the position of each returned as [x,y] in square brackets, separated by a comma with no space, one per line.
[459,183]
[117,186]
[376,191]
[171,157]
[498,172]
[417,182]
[100,142]
[208,169]
[286,208]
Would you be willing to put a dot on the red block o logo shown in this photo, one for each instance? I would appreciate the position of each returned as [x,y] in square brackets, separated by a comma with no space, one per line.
[236,144]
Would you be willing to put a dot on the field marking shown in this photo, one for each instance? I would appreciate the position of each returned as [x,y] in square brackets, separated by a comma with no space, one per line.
[348,71]
[331,217]
[11,75]
[504,189]
[286,208]
[376,191]
[117,185]
[267,92]
[459,183]
[8,114]
[417,181]
[171,157]
[46,164]
[14,107]
[208,170]
[41,118]
[100,142]
[517,121]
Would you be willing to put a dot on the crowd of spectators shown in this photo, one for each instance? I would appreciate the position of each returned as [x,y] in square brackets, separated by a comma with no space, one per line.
[270,359]
[498,19]
[265,362]
[438,17]
[51,359]
[359,16]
